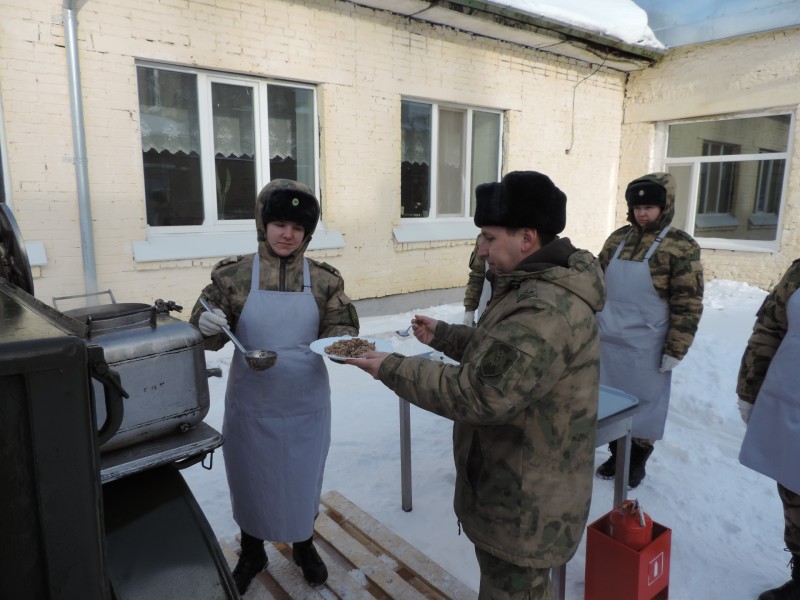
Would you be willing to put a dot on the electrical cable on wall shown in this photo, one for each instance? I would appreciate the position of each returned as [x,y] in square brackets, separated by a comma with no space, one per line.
[572,124]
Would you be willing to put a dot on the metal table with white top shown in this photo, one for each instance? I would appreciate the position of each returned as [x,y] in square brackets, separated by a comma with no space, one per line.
[614,419]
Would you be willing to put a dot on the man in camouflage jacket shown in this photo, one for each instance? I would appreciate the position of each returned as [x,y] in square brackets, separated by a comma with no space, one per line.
[524,395]
[767,388]
[676,274]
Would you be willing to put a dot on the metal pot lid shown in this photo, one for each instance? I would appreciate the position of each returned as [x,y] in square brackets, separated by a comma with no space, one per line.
[14,264]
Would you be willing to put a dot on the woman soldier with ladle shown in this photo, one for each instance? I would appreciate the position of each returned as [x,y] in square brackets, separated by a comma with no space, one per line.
[277,423]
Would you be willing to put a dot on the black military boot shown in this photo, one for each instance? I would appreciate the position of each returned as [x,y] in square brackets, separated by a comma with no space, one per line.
[609,468]
[306,557]
[789,590]
[639,456]
[252,560]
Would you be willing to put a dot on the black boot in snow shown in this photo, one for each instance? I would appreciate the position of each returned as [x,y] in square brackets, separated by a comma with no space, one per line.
[608,469]
[306,557]
[252,560]
[789,590]
[639,456]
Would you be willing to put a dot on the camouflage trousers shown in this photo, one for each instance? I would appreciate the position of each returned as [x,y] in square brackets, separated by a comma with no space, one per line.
[791,519]
[502,580]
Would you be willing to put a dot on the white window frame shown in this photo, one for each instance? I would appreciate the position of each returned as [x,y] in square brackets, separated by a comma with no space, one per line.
[433,227]
[723,220]
[215,237]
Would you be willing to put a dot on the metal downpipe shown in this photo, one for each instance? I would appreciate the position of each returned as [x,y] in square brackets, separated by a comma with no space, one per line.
[79,148]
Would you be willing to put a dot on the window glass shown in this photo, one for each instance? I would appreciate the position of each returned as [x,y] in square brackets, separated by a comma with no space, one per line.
[232,112]
[730,176]
[450,165]
[445,153]
[291,134]
[415,165]
[485,151]
[170,130]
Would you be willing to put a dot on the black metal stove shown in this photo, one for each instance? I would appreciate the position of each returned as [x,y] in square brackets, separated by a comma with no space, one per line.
[93,503]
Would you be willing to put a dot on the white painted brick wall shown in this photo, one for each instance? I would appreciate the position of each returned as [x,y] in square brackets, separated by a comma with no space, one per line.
[363,62]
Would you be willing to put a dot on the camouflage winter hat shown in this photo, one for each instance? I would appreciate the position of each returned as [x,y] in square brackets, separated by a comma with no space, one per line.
[287,200]
[522,199]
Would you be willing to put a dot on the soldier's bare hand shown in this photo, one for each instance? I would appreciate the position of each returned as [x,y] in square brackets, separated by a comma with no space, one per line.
[371,363]
[423,328]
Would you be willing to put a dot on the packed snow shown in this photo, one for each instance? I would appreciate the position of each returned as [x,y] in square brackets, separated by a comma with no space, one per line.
[726,520]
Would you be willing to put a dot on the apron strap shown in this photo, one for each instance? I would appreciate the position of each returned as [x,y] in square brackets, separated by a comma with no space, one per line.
[621,245]
[656,242]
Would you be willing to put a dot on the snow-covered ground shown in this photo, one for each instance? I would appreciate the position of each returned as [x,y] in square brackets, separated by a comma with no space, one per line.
[726,521]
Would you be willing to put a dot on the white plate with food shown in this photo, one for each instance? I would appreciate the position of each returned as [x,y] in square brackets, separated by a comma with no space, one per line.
[347,346]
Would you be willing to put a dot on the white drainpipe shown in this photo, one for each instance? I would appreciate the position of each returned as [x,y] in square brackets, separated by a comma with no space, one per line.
[79,146]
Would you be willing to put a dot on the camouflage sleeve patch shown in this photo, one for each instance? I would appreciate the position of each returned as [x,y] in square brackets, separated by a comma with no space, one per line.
[497,360]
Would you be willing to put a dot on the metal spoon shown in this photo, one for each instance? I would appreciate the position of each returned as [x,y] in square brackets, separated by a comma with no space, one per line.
[404,332]
[258,360]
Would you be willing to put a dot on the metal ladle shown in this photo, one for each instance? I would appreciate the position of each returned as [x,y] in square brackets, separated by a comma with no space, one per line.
[258,360]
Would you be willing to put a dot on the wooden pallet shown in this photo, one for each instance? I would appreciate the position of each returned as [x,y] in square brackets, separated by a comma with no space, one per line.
[365,560]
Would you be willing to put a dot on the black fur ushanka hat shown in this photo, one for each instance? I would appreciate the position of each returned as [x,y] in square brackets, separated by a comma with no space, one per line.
[293,202]
[522,199]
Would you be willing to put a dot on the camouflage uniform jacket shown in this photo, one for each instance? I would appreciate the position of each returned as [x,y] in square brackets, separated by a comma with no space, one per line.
[477,273]
[231,279]
[770,327]
[675,268]
[524,404]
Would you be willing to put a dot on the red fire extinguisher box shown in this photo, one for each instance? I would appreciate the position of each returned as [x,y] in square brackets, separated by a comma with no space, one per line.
[615,571]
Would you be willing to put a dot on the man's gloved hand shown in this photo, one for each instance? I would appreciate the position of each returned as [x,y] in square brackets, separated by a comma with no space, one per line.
[668,363]
[469,317]
[211,323]
[745,409]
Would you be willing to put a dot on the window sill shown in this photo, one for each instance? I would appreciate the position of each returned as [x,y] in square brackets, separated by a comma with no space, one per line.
[715,221]
[435,230]
[183,246]
[763,219]
[737,245]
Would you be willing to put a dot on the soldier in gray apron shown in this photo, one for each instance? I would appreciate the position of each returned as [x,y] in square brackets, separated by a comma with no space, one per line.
[654,282]
[771,444]
[633,325]
[277,424]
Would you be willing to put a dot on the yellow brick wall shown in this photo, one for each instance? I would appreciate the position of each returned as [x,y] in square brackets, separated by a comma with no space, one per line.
[562,118]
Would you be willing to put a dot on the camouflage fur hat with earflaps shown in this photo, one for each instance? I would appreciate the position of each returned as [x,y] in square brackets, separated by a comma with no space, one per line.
[522,199]
[287,200]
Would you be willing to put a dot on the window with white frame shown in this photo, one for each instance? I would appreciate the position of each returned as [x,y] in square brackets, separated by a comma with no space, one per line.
[446,152]
[730,179]
[210,141]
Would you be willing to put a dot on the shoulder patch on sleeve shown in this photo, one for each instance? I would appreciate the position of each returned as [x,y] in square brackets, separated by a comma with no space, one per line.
[229,261]
[498,359]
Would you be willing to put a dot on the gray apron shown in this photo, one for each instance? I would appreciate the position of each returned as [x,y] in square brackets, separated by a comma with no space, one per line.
[486,295]
[633,326]
[772,441]
[277,424]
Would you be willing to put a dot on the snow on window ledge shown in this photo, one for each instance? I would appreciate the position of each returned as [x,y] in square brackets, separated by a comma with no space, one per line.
[434,230]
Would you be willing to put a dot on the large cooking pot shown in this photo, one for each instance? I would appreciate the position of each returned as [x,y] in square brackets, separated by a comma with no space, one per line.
[161,365]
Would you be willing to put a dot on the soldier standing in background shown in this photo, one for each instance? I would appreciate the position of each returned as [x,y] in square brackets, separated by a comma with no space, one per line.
[769,380]
[524,397]
[654,281]
[277,423]
[479,290]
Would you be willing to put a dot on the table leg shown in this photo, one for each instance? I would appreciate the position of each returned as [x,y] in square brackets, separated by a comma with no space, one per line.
[558,581]
[405,454]
[623,469]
